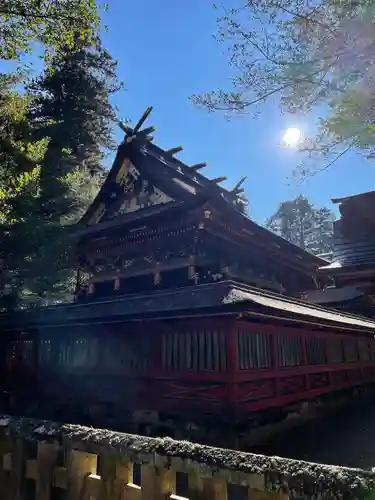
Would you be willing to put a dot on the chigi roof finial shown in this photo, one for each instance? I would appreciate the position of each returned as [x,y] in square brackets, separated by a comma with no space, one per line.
[129,131]
[237,188]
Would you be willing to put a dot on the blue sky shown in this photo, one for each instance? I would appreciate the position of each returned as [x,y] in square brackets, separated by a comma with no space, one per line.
[166,52]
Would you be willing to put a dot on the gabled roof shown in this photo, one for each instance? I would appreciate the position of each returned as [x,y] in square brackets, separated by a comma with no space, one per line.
[332,295]
[355,197]
[354,237]
[138,157]
[139,160]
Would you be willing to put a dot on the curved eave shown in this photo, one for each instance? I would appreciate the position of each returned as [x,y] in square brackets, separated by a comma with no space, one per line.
[225,297]
[354,197]
[277,242]
[337,268]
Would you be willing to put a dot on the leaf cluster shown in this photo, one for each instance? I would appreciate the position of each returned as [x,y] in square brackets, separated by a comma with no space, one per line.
[305,54]
[55,131]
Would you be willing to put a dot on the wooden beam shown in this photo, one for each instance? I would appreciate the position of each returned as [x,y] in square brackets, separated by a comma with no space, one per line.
[236,188]
[217,180]
[147,131]
[143,119]
[173,151]
[198,166]
[125,128]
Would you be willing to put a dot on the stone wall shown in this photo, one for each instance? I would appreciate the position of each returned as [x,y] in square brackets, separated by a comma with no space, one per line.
[45,461]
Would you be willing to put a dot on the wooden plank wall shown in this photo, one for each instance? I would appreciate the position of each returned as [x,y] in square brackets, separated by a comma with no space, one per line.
[50,462]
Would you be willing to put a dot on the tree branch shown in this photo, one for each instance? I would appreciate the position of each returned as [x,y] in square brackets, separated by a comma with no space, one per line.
[326,167]
[23,13]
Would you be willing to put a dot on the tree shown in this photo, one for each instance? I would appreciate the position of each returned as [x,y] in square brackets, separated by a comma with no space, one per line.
[72,108]
[299,222]
[293,220]
[322,234]
[54,24]
[19,173]
[306,54]
[69,110]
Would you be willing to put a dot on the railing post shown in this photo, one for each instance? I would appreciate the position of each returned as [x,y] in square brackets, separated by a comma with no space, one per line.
[46,461]
[157,483]
[207,488]
[215,488]
[116,475]
[17,472]
[80,465]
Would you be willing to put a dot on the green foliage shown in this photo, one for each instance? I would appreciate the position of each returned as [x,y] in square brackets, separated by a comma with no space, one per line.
[55,24]
[52,145]
[19,180]
[299,222]
[306,54]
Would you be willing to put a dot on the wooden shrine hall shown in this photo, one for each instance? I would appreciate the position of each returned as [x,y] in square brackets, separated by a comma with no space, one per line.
[158,223]
[186,315]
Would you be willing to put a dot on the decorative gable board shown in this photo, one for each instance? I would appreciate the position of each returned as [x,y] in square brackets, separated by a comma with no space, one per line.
[143,176]
[137,191]
[126,189]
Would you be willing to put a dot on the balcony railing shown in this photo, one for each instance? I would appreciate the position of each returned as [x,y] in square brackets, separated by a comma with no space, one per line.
[43,460]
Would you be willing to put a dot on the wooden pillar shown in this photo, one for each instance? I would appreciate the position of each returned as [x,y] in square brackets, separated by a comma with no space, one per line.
[6,459]
[80,465]
[213,488]
[157,483]
[303,337]
[231,333]
[17,463]
[46,461]
[116,476]
[275,359]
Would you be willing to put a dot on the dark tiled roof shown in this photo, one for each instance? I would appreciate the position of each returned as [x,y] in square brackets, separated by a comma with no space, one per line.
[353,246]
[355,197]
[332,295]
[193,300]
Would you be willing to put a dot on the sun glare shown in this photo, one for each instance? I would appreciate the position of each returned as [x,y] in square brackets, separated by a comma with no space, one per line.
[291,137]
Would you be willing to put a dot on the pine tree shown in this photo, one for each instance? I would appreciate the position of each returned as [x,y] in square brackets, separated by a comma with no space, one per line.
[72,108]
[70,111]
[301,223]
[323,231]
[19,179]
[293,221]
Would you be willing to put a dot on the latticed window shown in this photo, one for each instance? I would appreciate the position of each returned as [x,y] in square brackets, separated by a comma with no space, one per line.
[364,350]
[315,351]
[334,351]
[197,350]
[253,350]
[350,350]
[289,350]
[20,352]
[45,352]
[79,353]
[129,352]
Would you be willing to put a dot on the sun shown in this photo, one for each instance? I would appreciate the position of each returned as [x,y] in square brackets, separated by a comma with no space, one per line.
[292,137]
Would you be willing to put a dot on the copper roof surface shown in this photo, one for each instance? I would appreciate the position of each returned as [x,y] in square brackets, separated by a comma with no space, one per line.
[188,300]
[353,197]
